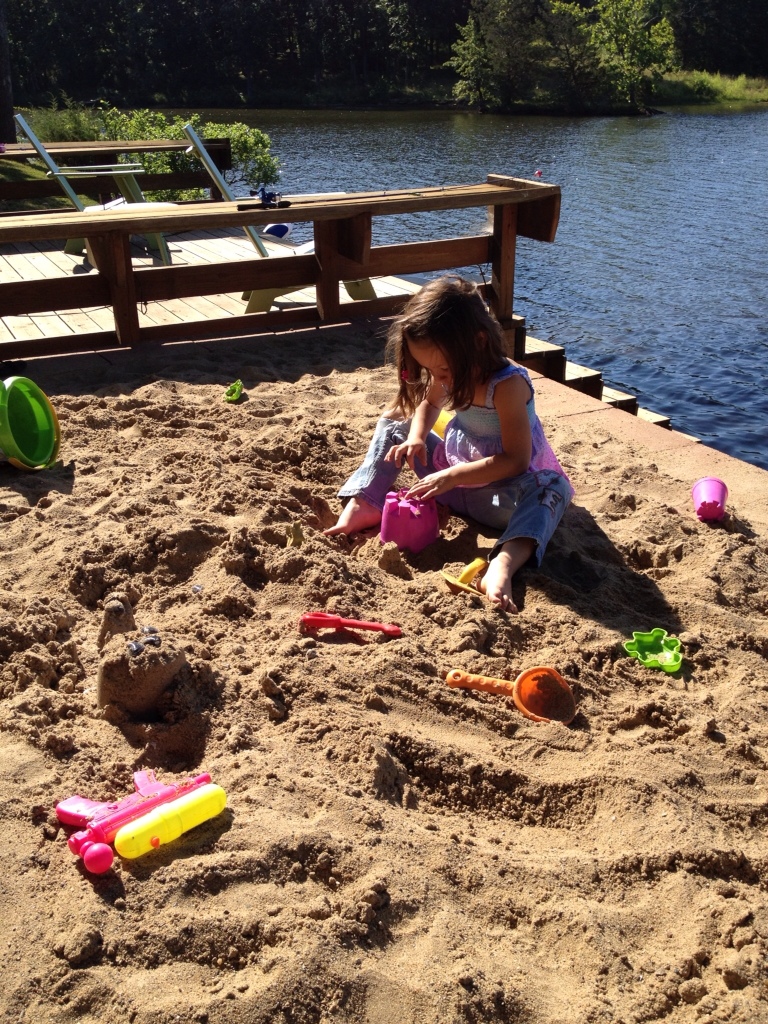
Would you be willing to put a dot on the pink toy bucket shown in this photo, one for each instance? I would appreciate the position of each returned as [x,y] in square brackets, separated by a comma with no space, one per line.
[409,522]
[709,496]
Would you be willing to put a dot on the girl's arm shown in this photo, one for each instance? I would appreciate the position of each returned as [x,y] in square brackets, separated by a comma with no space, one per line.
[509,398]
[422,422]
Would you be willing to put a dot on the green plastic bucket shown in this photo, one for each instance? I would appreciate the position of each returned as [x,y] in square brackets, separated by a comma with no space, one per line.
[29,429]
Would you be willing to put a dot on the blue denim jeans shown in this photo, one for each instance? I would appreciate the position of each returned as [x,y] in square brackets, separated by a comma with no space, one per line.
[526,506]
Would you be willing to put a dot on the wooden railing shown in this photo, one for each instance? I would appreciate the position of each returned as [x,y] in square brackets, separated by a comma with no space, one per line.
[101,186]
[343,252]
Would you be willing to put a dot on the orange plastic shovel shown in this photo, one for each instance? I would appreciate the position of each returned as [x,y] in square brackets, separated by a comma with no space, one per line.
[540,694]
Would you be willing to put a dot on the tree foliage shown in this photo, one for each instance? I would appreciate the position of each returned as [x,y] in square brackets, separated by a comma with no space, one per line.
[578,77]
[635,43]
[498,53]
[473,67]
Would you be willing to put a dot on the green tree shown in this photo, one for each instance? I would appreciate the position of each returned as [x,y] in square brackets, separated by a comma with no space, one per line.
[577,75]
[635,44]
[722,36]
[513,37]
[471,63]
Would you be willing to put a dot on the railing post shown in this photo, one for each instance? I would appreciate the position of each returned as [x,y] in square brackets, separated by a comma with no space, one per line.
[114,262]
[326,233]
[503,248]
[502,291]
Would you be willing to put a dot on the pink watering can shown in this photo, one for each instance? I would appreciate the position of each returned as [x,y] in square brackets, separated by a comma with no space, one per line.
[409,522]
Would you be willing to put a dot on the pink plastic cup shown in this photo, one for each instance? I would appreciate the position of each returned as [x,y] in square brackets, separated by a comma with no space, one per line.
[409,522]
[709,497]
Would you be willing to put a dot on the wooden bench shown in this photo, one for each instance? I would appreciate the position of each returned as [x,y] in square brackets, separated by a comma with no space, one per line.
[342,227]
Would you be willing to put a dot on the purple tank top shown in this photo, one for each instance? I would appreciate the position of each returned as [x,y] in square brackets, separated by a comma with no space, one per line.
[475,433]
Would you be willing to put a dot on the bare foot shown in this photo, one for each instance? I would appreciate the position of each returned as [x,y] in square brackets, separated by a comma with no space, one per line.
[497,582]
[357,515]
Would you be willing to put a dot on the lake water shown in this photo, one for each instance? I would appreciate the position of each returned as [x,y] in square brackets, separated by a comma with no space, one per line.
[659,272]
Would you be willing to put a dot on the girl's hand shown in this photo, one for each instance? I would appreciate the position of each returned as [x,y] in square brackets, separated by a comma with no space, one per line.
[433,485]
[408,450]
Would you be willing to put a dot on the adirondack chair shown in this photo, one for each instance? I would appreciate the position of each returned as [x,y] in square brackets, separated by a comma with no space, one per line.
[124,176]
[260,300]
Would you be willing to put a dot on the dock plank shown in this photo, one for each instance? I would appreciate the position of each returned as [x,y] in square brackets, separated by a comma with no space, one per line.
[44,259]
[158,314]
[66,264]
[51,325]
[23,328]
[80,321]
[9,272]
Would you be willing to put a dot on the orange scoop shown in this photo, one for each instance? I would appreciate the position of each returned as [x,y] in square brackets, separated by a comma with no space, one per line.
[540,694]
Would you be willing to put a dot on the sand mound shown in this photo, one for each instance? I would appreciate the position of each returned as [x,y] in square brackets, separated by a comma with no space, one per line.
[393,850]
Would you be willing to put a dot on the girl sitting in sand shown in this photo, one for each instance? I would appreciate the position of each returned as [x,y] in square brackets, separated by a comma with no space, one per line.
[494,464]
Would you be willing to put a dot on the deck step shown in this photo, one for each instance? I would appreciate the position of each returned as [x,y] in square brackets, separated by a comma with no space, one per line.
[654,417]
[620,400]
[545,358]
[584,379]
[514,330]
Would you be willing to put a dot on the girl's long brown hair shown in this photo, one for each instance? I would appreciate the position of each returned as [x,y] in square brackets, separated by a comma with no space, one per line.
[450,313]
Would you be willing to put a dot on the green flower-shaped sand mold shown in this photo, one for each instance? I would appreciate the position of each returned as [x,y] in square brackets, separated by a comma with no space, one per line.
[233,392]
[655,650]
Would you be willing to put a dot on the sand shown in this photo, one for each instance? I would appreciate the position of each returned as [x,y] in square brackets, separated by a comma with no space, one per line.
[393,850]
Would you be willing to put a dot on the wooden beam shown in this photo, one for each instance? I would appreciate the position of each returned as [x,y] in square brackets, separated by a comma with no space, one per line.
[67,344]
[99,185]
[101,152]
[53,293]
[420,257]
[538,218]
[256,323]
[355,237]
[503,261]
[289,272]
[231,327]
[327,253]
[114,255]
[142,220]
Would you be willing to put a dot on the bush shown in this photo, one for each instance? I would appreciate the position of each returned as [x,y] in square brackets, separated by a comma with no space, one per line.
[71,122]
[701,87]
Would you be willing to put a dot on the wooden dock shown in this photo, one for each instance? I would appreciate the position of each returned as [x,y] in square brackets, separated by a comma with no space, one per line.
[46,261]
[48,302]
[52,303]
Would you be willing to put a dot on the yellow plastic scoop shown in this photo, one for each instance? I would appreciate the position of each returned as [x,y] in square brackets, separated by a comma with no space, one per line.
[467,578]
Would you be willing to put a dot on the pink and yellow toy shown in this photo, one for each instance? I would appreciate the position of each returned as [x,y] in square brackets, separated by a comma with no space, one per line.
[155,814]
[409,522]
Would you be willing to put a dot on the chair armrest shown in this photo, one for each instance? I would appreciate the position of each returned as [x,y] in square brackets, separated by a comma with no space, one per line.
[96,169]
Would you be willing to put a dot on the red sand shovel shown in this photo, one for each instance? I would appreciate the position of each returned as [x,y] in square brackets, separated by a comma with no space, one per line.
[324,620]
[540,694]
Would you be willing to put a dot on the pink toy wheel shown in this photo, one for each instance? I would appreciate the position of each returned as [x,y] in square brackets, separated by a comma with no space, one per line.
[97,857]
